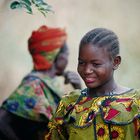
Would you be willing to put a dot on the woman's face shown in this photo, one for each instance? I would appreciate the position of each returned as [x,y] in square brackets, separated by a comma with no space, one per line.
[62,60]
[95,66]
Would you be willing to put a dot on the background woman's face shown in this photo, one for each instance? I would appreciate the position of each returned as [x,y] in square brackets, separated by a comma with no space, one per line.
[62,60]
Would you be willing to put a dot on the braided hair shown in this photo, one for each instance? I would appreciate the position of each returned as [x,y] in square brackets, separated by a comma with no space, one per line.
[101,37]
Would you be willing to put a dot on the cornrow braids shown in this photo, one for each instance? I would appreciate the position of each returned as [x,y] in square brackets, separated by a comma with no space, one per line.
[101,37]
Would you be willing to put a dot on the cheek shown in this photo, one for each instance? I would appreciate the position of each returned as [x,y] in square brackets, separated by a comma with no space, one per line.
[62,64]
[79,70]
[104,73]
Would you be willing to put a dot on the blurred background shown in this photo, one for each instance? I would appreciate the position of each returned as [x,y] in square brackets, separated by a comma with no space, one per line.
[78,17]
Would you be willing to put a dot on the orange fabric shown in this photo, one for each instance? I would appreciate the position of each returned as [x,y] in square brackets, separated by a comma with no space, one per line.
[44,45]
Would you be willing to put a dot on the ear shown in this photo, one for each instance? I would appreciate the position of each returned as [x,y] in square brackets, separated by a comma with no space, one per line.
[117,61]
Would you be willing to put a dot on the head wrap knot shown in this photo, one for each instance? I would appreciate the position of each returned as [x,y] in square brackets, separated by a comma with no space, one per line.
[44,45]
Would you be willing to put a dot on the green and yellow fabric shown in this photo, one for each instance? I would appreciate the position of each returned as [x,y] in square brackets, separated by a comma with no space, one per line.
[79,117]
[35,98]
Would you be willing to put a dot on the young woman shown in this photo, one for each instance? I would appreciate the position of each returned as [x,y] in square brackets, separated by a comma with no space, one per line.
[104,110]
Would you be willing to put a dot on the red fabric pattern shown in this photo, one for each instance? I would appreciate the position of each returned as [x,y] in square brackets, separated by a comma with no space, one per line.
[111,114]
[45,40]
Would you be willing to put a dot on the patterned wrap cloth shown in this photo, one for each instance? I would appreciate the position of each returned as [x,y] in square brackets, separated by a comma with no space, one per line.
[79,117]
[37,98]
[44,45]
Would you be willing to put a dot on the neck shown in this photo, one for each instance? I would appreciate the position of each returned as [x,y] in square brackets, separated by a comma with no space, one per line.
[105,89]
[50,72]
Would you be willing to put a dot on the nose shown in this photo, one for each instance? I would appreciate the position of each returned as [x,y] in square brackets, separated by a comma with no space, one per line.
[88,69]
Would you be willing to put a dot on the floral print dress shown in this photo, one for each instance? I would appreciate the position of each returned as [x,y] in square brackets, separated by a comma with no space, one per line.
[79,117]
[35,98]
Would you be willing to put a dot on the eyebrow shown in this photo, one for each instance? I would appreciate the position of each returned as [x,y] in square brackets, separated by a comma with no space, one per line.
[91,60]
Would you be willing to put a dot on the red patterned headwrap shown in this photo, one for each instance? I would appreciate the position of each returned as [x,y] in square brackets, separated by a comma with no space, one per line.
[44,45]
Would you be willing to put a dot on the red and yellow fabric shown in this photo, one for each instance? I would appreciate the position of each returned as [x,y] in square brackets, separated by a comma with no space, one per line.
[44,45]
[99,118]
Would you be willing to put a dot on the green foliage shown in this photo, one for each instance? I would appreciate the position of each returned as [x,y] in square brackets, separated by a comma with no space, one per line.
[41,6]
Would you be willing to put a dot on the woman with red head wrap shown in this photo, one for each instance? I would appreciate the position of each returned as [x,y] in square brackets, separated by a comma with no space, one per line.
[44,45]
[32,104]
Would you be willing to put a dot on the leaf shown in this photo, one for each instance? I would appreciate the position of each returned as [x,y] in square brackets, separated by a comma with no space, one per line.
[44,7]
[27,7]
[37,2]
[44,13]
[33,1]
[27,2]
[41,6]
[15,5]
[29,10]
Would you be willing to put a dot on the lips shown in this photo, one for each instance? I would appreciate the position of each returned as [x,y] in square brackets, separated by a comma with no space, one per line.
[90,80]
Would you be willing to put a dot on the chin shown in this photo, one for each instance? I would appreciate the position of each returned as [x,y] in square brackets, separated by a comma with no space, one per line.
[91,85]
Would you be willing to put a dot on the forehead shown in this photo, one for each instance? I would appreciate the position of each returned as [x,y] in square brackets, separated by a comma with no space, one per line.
[91,52]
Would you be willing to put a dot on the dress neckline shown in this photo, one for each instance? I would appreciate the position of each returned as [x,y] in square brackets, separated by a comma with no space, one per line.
[84,93]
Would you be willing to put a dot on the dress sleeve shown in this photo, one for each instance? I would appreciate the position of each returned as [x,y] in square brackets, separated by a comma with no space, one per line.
[56,125]
[137,99]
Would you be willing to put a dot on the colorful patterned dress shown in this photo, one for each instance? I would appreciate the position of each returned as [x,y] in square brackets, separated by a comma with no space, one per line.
[79,117]
[35,98]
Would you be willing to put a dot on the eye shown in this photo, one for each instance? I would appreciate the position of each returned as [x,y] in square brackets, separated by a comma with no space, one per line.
[80,62]
[96,64]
